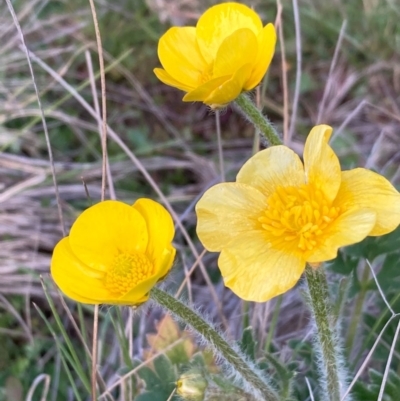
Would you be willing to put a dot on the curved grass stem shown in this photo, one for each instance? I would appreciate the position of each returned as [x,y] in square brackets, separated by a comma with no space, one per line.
[260,387]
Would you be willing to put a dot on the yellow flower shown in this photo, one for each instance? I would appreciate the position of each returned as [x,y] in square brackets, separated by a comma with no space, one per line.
[280,214]
[192,385]
[227,52]
[115,253]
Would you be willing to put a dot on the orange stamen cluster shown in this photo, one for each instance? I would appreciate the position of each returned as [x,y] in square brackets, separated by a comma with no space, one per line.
[298,216]
[128,270]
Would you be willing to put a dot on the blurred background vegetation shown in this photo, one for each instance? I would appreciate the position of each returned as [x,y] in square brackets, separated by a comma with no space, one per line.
[350,79]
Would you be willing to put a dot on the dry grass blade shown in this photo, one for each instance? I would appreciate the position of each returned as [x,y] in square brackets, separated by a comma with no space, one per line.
[97,109]
[368,357]
[296,94]
[41,378]
[10,309]
[46,133]
[380,289]
[148,101]
[309,389]
[284,78]
[104,170]
[330,81]
[21,186]
[388,362]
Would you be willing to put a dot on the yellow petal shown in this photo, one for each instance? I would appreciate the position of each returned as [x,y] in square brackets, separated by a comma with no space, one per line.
[266,49]
[362,188]
[165,262]
[236,50]
[165,78]
[349,228]
[271,168]
[229,90]
[139,293]
[105,229]
[255,272]
[74,278]
[78,282]
[219,22]
[228,212]
[137,301]
[321,165]
[180,56]
[160,227]
[204,91]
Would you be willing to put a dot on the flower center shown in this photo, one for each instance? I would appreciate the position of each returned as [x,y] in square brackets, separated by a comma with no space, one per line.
[127,271]
[298,216]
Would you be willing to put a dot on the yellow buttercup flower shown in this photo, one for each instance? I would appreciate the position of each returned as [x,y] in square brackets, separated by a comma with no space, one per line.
[115,253]
[229,51]
[192,385]
[281,214]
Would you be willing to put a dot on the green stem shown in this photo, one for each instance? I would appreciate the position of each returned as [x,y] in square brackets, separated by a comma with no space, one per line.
[246,313]
[254,115]
[248,373]
[358,309]
[273,324]
[319,296]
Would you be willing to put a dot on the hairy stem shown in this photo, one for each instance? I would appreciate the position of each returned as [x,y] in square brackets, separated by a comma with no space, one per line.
[328,363]
[249,374]
[254,115]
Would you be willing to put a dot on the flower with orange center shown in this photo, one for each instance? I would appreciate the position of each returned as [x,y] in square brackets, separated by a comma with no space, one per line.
[229,51]
[115,253]
[281,214]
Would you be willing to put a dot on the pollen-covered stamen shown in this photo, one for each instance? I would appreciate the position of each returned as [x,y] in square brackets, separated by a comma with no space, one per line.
[299,215]
[127,271]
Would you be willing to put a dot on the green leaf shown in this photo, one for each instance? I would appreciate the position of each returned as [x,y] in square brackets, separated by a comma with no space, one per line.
[284,373]
[165,370]
[388,277]
[372,247]
[248,344]
[370,391]
[160,382]
[152,396]
[343,264]
[149,377]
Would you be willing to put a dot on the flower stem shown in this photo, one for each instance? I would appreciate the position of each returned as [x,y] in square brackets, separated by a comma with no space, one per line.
[358,310]
[254,115]
[319,295]
[249,373]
